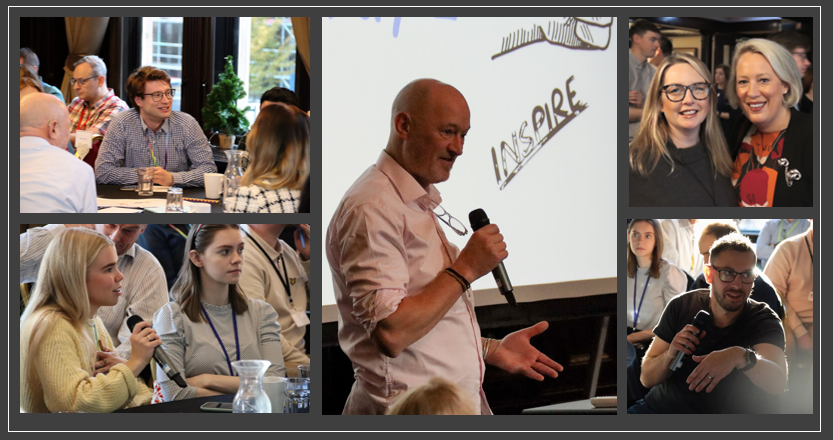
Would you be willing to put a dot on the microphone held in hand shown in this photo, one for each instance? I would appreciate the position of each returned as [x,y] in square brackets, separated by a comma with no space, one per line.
[478,219]
[703,321]
[159,354]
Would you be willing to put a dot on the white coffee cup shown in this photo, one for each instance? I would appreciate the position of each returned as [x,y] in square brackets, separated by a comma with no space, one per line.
[213,185]
[275,388]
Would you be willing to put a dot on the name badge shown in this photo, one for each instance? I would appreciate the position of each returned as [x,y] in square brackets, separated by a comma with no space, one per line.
[83,143]
[299,317]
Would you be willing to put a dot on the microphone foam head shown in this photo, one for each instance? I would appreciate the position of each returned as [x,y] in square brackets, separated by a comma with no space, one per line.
[132,321]
[703,320]
[478,219]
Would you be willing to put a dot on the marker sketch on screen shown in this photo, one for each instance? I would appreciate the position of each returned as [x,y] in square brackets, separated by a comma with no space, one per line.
[580,33]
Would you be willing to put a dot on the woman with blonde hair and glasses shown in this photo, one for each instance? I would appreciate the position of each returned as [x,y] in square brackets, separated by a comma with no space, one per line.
[61,337]
[679,156]
[773,143]
[278,146]
[212,323]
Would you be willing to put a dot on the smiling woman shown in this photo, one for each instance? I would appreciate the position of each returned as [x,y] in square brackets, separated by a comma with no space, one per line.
[773,144]
[679,156]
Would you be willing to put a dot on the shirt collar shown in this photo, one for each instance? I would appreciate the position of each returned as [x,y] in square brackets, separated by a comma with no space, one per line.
[409,189]
[641,64]
[130,252]
[163,127]
[106,97]
[271,252]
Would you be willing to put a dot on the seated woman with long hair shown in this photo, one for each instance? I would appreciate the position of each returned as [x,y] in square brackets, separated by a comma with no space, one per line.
[772,142]
[679,156]
[61,336]
[652,282]
[29,81]
[278,146]
[211,323]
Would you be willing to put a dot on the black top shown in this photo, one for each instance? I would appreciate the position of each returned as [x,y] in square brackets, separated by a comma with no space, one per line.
[805,105]
[723,106]
[735,394]
[798,149]
[763,291]
[692,183]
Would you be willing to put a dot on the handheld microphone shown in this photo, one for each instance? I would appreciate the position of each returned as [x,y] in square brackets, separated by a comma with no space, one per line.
[702,321]
[161,358]
[478,219]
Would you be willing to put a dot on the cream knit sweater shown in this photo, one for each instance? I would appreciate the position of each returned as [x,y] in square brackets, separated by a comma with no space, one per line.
[64,379]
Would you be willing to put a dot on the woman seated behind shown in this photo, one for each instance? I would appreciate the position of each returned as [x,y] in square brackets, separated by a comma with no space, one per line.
[772,143]
[66,355]
[278,145]
[652,281]
[679,156]
[212,324]
[29,81]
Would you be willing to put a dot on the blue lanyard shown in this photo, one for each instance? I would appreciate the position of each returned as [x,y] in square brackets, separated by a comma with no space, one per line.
[236,340]
[635,309]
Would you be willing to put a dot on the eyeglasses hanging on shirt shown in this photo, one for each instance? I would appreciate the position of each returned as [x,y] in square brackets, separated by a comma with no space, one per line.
[456,225]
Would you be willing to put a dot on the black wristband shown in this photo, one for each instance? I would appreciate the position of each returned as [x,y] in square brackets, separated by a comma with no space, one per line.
[463,282]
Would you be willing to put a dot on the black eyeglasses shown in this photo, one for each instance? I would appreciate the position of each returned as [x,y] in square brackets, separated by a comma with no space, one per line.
[676,92]
[728,275]
[456,225]
[72,81]
[158,95]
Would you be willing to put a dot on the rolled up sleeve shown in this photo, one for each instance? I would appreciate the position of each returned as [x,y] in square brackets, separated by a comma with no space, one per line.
[374,263]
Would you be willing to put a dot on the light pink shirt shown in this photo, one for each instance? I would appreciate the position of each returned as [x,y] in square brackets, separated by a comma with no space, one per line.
[383,244]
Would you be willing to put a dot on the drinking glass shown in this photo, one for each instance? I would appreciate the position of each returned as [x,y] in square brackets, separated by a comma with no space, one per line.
[297,395]
[174,203]
[145,182]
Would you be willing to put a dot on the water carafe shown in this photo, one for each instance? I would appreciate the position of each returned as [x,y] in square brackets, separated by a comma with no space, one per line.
[232,178]
[250,397]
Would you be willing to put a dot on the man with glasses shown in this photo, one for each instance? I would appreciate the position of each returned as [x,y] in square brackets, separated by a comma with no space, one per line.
[153,135]
[403,291]
[735,365]
[95,105]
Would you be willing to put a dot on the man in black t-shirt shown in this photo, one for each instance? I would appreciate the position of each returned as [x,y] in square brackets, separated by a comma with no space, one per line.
[736,365]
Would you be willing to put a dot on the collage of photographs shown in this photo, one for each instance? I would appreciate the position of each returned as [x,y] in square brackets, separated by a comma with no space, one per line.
[408,278]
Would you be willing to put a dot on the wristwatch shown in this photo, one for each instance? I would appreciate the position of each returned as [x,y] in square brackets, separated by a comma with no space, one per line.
[751,359]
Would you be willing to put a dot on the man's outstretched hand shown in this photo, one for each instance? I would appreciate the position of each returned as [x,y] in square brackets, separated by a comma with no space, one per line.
[516,355]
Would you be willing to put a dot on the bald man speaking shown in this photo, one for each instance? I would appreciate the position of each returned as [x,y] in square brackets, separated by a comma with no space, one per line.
[51,179]
[403,290]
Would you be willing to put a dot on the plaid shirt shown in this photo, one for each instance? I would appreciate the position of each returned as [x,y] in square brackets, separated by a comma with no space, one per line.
[180,147]
[99,117]
[255,198]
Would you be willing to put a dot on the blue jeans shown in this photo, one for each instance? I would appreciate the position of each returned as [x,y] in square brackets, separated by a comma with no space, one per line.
[641,407]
